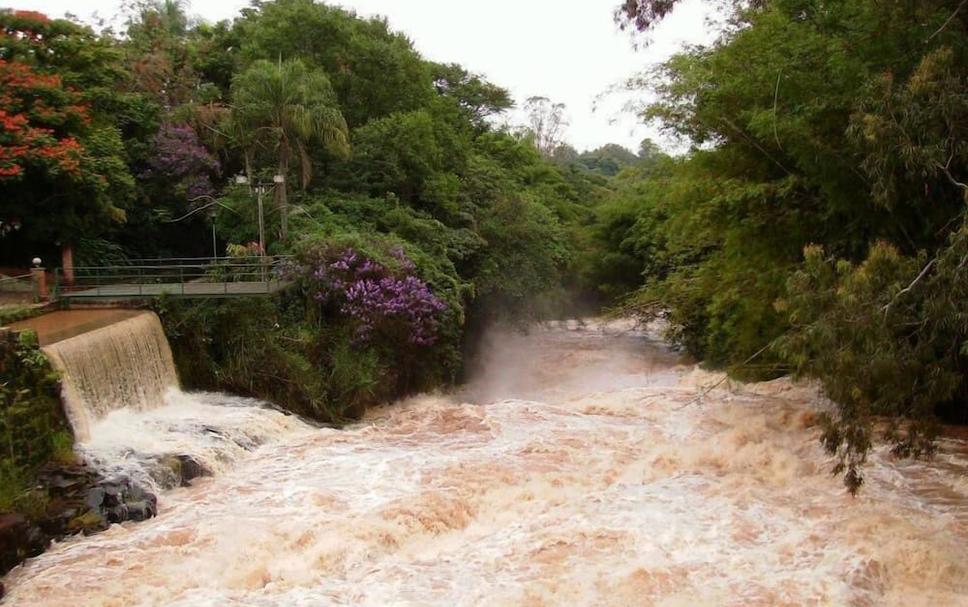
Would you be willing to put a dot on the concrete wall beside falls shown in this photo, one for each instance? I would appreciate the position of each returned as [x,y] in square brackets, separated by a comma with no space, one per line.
[124,364]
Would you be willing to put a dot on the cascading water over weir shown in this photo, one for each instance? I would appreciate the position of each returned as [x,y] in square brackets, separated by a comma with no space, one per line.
[579,468]
[121,395]
[127,364]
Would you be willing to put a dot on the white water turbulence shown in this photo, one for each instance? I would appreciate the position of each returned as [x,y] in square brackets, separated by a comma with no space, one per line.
[579,469]
[127,364]
[121,395]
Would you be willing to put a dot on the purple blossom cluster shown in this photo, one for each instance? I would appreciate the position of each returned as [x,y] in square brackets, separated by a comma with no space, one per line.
[179,156]
[376,298]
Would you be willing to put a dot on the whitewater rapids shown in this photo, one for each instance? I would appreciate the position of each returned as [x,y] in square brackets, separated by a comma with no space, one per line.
[579,469]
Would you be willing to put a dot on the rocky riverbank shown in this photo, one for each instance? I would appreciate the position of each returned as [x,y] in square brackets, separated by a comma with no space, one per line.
[75,499]
[67,500]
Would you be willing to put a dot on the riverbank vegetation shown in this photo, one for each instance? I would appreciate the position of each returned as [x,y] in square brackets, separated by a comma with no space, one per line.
[33,428]
[817,224]
[814,224]
[411,219]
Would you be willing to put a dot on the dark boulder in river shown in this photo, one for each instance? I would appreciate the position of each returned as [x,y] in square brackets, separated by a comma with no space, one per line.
[67,500]
[13,540]
[191,469]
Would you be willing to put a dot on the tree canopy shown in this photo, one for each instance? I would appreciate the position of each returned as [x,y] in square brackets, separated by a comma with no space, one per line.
[819,211]
[412,217]
[286,108]
[63,165]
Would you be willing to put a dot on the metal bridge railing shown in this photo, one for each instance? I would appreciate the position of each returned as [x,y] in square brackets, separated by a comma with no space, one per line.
[181,277]
[18,289]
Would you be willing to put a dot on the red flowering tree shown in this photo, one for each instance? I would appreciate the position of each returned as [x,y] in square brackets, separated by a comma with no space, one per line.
[63,168]
[38,117]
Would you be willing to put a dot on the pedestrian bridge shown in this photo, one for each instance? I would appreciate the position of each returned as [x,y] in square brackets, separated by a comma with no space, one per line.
[198,278]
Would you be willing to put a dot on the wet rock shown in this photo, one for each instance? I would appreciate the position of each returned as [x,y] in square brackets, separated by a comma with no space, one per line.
[117,514]
[66,480]
[71,499]
[64,483]
[112,496]
[37,542]
[135,493]
[52,524]
[141,511]
[87,523]
[14,544]
[10,524]
[67,513]
[95,497]
[214,431]
[191,469]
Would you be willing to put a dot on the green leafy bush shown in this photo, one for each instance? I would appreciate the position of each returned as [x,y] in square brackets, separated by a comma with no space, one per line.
[888,339]
[817,223]
[33,429]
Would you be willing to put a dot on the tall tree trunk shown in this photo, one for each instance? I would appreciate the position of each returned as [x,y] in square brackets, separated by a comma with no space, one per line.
[248,167]
[67,263]
[282,198]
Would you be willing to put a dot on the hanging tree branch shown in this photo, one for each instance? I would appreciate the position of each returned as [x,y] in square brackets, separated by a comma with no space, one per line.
[703,393]
[946,169]
[907,289]
[948,20]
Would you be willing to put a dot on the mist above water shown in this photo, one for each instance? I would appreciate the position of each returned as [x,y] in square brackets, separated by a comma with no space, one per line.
[577,468]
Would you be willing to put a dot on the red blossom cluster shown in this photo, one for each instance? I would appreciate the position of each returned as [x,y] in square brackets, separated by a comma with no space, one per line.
[37,115]
[32,16]
[29,25]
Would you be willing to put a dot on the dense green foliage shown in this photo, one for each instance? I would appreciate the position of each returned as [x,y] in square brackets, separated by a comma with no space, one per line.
[607,160]
[817,225]
[62,158]
[358,146]
[305,354]
[33,430]
[285,107]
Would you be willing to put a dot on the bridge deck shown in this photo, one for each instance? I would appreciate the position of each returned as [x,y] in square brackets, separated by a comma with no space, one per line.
[174,289]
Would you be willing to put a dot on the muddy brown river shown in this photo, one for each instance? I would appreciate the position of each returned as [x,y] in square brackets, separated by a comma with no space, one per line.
[579,468]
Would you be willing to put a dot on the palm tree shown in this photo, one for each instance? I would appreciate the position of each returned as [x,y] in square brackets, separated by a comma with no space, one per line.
[285,107]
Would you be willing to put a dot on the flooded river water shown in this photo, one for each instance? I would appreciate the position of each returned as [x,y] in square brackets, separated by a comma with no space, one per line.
[578,468]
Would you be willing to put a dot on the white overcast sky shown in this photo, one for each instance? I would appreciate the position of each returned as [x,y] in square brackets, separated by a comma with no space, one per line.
[568,50]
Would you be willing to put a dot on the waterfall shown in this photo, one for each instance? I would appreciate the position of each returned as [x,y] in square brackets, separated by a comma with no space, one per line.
[124,365]
[130,419]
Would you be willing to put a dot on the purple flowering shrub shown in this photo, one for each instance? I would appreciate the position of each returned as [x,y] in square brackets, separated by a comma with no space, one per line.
[379,300]
[179,158]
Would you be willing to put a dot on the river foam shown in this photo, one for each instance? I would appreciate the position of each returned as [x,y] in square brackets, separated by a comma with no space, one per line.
[579,469]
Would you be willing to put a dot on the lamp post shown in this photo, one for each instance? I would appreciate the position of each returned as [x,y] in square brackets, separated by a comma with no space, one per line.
[243,180]
[39,276]
[210,206]
[261,189]
[214,239]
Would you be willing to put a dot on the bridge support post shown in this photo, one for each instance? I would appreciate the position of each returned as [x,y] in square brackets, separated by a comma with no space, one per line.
[67,263]
[39,276]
